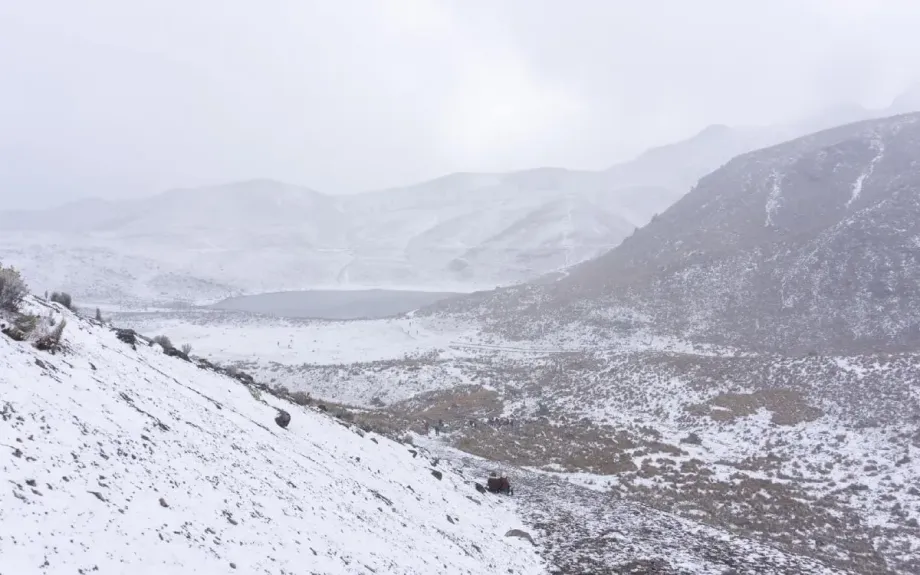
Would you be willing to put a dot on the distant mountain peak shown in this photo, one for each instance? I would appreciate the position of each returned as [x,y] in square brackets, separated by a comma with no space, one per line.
[713,131]
[907,101]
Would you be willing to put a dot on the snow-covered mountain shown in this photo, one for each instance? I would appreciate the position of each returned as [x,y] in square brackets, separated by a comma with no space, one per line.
[460,233]
[809,245]
[116,457]
[678,166]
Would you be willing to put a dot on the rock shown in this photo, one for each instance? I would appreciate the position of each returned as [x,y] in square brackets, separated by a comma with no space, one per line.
[437,474]
[30,482]
[283,419]
[233,565]
[520,534]
[414,453]
[322,407]
[163,503]
[98,496]
[450,519]
[480,488]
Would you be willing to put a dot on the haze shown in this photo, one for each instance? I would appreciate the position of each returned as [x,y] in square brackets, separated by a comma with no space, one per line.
[105,98]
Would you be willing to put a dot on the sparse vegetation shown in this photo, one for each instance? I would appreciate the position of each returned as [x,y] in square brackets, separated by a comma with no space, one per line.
[26,323]
[186,348]
[163,341]
[63,298]
[301,398]
[99,315]
[13,289]
[50,340]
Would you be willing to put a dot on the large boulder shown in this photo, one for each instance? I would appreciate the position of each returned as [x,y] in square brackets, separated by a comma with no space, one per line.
[283,419]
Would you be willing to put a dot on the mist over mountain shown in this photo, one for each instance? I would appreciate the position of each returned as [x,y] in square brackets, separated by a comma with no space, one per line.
[460,232]
[812,244]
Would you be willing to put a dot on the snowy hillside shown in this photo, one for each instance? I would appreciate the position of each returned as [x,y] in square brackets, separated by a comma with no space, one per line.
[583,487]
[769,447]
[808,245]
[117,456]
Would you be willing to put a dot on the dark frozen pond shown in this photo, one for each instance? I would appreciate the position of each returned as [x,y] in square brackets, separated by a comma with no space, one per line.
[334,304]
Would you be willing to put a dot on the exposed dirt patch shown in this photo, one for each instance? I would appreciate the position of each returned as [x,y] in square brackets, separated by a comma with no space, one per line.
[787,406]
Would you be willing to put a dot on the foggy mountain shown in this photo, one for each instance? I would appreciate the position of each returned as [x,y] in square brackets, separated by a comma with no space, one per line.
[459,232]
[809,245]
[680,165]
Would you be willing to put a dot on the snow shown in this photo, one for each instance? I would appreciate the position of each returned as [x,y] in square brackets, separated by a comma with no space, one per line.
[272,340]
[119,460]
[774,198]
[879,146]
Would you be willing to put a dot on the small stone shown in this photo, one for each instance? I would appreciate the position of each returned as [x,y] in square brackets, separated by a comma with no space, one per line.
[163,503]
[233,565]
[437,474]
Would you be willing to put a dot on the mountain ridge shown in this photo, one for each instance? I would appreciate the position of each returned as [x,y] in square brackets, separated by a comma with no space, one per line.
[755,252]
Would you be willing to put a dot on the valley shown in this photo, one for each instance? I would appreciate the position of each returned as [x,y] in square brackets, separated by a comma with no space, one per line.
[430,287]
[730,389]
[333,304]
[733,364]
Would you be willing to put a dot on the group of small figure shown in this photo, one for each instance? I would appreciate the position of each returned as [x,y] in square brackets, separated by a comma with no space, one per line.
[491,422]
[437,428]
[494,422]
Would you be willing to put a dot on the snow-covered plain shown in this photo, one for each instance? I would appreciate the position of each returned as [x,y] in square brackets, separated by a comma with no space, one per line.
[235,337]
[350,361]
[117,459]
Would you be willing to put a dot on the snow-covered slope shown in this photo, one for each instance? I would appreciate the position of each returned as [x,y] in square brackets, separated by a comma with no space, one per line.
[117,457]
[815,454]
[808,245]
[783,443]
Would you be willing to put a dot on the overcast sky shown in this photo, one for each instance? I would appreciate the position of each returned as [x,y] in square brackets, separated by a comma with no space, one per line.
[117,98]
